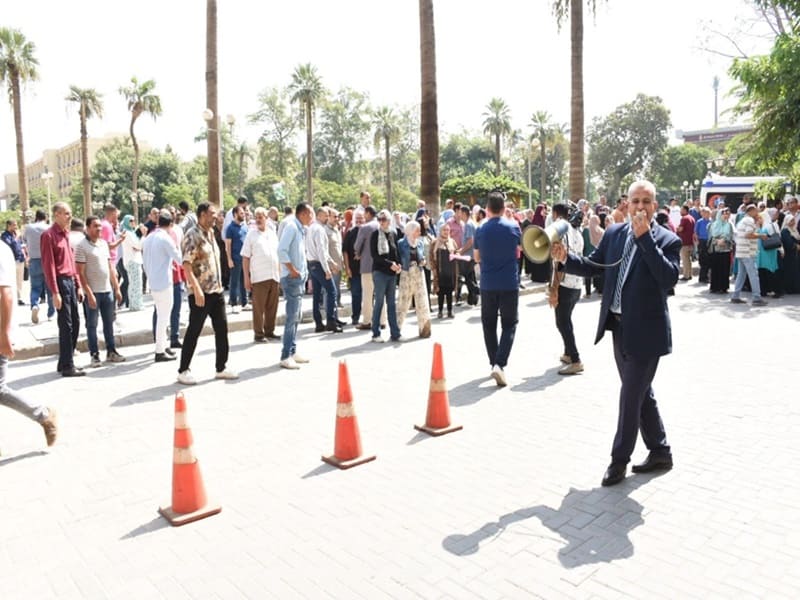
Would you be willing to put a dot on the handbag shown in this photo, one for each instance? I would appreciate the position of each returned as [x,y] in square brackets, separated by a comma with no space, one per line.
[771,242]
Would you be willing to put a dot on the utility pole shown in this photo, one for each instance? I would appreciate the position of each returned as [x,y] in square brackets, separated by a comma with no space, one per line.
[715,85]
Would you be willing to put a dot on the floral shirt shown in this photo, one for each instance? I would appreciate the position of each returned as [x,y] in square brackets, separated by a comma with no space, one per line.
[200,248]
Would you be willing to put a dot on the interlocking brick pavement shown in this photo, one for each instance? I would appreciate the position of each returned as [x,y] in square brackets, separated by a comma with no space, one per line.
[510,507]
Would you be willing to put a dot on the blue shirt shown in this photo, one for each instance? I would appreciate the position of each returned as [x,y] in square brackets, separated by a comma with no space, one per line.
[469,234]
[292,248]
[236,232]
[15,245]
[158,253]
[497,240]
[701,229]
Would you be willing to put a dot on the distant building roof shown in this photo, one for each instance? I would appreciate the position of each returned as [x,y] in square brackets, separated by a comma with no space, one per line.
[717,134]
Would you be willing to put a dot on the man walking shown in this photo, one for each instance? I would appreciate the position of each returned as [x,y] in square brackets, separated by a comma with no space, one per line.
[32,235]
[234,236]
[11,238]
[58,264]
[159,255]
[43,415]
[686,233]
[262,275]
[320,269]
[746,250]
[643,267]
[201,265]
[496,244]
[364,256]
[294,272]
[98,279]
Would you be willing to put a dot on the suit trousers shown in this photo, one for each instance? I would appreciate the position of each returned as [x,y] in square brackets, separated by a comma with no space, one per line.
[265,307]
[638,411]
[68,322]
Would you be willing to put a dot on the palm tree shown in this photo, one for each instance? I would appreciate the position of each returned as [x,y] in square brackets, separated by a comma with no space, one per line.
[429,119]
[387,131]
[213,121]
[497,123]
[140,100]
[577,167]
[17,66]
[543,132]
[241,152]
[89,105]
[306,89]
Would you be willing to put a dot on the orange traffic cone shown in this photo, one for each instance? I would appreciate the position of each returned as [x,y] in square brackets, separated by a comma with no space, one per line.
[189,501]
[347,446]
[437,421]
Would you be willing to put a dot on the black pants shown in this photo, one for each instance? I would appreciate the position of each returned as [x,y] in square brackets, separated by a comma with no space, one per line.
[704,259]
[122,276]
[567,298]
[213,307]
[69,323]
[638,410]
[506,304]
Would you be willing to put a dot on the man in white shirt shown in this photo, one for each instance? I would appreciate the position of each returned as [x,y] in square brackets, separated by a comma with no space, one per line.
[320,270]
[746,250]
[43,415]
[262,275]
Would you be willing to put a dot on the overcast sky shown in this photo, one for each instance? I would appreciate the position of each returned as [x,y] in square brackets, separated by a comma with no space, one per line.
[506,48]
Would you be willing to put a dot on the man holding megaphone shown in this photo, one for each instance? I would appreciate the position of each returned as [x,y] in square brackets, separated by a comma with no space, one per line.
[641,261]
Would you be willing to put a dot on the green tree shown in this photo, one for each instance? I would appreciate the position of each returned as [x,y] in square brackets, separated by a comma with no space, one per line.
[543,131]
[475,187]
[428,110]
[307,90]
[241,153]
[141,100]
[626,141]
[464,154]
[89,105]
[387,131]
[677,164]
[343,132]
[280,123]
[18,65]
[497,123]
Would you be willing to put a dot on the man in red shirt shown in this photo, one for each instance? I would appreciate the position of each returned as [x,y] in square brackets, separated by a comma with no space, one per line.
[61,278]
[686,233]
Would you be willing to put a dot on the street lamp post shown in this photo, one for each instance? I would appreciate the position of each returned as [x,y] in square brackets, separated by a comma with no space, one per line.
[688,189]
[47,176]
[547,188]
[719,162]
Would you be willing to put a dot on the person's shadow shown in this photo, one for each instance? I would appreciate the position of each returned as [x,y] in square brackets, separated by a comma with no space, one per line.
[594,524]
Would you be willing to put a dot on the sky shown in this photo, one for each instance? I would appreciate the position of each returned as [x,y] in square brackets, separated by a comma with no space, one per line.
[510,49]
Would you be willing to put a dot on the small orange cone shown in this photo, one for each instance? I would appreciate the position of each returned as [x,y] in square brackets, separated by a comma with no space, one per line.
[437,421]
[347,446]
[189,501]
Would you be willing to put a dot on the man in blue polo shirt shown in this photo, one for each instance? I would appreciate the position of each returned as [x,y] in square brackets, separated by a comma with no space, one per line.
[496,248]
[701,241]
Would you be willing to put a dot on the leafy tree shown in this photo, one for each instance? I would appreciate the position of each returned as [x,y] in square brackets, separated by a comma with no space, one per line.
[677,164]
[387,132]
[262,190]
[497,123]
[343,131]
[475,187]
[18,65]
[544,131]
[626,141]
[89,105]
[280,123]
[307,91]
[241,153]
[428,110]
[463,154]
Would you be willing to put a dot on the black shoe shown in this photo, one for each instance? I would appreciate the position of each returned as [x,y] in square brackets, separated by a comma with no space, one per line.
[333,328]
[73,372]
[260,339]
[164,357]
[169,352]
[20,302]
[614,474]
[341,323]
[654,462]
[273,336]
[319,328]
[176,345]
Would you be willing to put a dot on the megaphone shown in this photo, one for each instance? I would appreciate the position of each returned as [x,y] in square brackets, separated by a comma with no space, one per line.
[536,241]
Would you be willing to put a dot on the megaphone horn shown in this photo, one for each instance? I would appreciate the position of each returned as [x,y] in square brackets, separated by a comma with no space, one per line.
[536,241]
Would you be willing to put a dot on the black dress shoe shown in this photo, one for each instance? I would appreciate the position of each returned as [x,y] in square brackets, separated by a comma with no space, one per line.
[176,345]
[169,352]
[273,336]
[334,328]
[164,357]
[73,372]
[319,328]
[614,474]
[654,462]
[341,323]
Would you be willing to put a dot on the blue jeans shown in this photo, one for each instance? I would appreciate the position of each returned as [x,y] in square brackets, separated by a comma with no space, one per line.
[38,287]
[293,289]
[318,283]
[238,295]
[747,269]
[384,286]
[355,297]
[504,302]
[105,309]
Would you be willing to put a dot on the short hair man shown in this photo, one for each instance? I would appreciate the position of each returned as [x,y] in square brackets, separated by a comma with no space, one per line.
[235,232]
[32,236]
[11,237]
[686,233]
[241,203]
[353,265]
[321,269]
[642,260]
[262,275]
[496,243]
[746,251]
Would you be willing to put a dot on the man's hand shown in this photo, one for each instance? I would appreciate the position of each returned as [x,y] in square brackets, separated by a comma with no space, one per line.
[294,273]
[199,298]
[92,300]
[328,275]
[118,296]
[640,224]
[57,301]
[80,295]
[248,285]
[559,252]
[230,263]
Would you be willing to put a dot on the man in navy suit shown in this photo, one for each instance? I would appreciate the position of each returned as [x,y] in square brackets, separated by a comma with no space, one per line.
[634,309]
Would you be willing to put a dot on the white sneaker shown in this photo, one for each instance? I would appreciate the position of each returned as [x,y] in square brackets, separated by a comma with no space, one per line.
[247,306]
[289,363]
[378,340]
[499,376]
[226,374]
[186,378]
[299,359]
[35,314]
[237,309]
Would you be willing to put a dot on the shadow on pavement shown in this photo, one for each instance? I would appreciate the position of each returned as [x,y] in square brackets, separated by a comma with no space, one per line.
[539,382]
[37,379]
[418,438]
[472,391]
[253,373]
[150,394]
[13,459]
[595,524]
[320,470]
[154,525]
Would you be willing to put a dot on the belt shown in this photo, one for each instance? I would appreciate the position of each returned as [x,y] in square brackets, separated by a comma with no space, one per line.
[616,316]
[65,276]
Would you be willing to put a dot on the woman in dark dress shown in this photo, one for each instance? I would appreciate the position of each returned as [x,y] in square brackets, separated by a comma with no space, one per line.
[790,238]
[720,245]
[443,270]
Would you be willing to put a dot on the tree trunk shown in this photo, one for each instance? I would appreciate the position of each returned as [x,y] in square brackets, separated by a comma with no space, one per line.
[22,176]
[497,154]
[213,137]
[577,173]
[309,158]
[543,178]
[87,184]
[389,203]
[135,182]
[429,119]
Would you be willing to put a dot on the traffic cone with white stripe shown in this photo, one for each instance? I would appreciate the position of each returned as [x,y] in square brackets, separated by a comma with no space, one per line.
[437,421]
[189,502]
[347,445]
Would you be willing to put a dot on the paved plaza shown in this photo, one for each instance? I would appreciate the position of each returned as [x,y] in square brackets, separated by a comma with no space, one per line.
[509,507]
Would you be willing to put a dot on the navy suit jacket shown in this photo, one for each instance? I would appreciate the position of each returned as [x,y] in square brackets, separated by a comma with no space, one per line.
[652,273]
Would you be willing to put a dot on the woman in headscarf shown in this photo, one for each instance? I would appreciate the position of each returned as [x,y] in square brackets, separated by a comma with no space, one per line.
[592,234]
[132,255]
[767,260]
[385,268]
[790,238]
[540,272]
[443,271]
[720,245]
[412,281]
